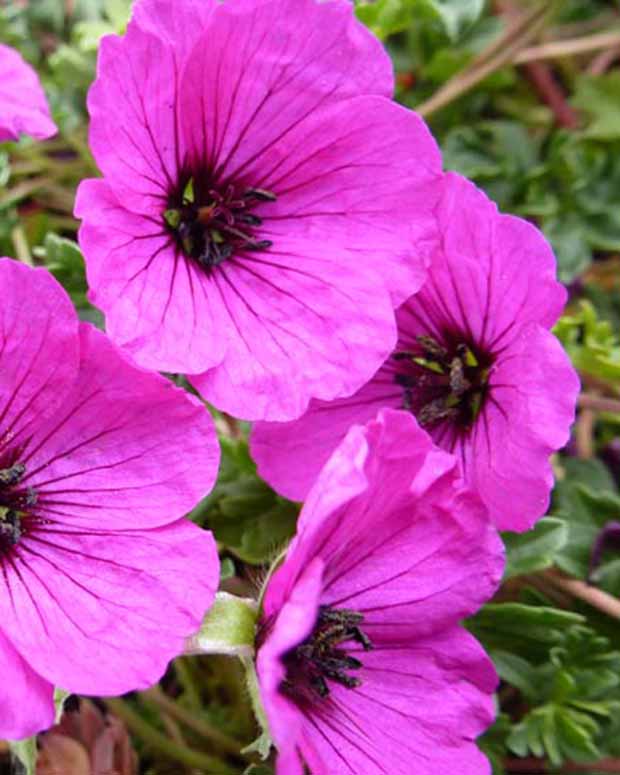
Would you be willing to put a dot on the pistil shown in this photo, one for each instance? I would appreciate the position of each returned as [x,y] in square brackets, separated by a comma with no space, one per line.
[210,226]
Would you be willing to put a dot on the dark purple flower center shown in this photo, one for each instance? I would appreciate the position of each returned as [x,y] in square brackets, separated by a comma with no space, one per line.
[442,382]
[211,223]
[323,657]
[15,505]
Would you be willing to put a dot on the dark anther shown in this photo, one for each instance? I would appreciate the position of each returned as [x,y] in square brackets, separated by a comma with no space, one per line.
[15,504]
[441,382]
[210,226]
[11,476]
[321,658]
[260,194]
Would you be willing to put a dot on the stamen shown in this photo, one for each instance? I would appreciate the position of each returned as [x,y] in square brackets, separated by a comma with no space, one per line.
[210,225]
[442,382]
[15,505]
[320,658]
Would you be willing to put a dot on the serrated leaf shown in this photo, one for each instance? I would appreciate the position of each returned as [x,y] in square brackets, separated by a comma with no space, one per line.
[536,549]
[592,344]
[526,630]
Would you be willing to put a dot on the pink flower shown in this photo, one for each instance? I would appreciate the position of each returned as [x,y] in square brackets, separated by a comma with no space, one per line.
[101,580]
[23,107]
[475,362]
[261,196]
[362,665]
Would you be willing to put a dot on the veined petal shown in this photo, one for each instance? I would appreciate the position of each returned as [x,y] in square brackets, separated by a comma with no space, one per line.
[290,456]
[432,698]
[297,328]
[159,306]
[99,612]
[26,699]
[39,349]
[110,458]
[134,133]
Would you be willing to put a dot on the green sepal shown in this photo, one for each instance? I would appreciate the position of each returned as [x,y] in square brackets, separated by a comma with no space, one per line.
[25,751]
[229,627]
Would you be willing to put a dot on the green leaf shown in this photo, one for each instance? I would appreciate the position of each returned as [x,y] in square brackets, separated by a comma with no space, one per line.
[592,344]
[598,96]
[384,17]
[516,671]
[243,512]
[585,499]
[536,549]
[457,15]
[517,628]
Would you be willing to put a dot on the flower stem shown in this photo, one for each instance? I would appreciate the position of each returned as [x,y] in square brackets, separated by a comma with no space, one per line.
[562,48]
[160,743]
[500,53]
[598,404]
[20,243]
[591,595]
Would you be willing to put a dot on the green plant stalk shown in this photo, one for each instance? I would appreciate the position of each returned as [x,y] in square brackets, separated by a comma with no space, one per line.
[156,697]
[160,743]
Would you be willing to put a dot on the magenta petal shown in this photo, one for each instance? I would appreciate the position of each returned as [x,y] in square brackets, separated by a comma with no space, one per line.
[111,456]
[104,612]
[293,623]
[418,710]
[507,458]
[39,347]
[290,455]
[426,540]
[26,699]
[295,333]
[23,105]
[156,306]
[132,107]
[491,291]
[182,20]
[253,74]
[390,536]
[493,274]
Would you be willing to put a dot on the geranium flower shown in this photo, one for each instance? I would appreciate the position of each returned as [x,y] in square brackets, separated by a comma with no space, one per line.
[261,196]
[475,362]
[23,106]
[361,662]
[101,581]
